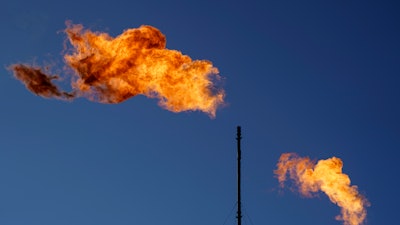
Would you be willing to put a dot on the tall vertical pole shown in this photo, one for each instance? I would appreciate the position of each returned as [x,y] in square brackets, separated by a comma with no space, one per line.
[239,156]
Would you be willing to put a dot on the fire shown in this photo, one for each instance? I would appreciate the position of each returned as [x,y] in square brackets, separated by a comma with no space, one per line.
[325,176]
[111,70]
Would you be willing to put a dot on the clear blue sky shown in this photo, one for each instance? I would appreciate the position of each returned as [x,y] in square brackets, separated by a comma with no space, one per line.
[319,78]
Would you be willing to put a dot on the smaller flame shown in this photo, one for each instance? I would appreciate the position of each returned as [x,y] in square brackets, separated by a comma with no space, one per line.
[325,176]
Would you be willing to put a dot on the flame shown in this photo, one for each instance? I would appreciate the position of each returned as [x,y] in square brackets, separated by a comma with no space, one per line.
[325,176]
[111,70]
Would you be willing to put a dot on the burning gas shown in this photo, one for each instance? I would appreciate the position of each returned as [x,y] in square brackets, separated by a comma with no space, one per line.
[111,70]
[325,176]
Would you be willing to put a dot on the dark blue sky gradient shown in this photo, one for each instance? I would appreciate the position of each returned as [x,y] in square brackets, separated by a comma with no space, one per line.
[319,78]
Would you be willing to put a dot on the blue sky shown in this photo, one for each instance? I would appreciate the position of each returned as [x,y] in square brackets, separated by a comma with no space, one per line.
[319,78]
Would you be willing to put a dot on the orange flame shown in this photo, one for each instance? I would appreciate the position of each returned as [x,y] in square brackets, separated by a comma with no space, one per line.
[111,70]
[325,176]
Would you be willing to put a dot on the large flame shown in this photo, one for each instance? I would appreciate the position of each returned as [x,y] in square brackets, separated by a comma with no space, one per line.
[325,176]
[111,70]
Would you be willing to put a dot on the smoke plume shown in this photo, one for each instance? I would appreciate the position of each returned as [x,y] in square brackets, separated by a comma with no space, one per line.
[111,70]
[39,82]
[326,176]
